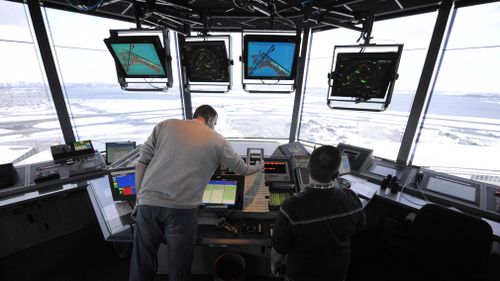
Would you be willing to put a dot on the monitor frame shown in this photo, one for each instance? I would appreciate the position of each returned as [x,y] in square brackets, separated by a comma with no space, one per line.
[271,39]
[184,60]
[288,177]
[240,190]
[124,143]
[154,40]
[115,195]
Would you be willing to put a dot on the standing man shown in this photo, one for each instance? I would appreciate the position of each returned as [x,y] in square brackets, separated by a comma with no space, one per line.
[175,164]
[315,226]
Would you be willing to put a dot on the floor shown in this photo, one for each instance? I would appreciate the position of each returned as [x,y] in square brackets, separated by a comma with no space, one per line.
[84,255]
[79,256]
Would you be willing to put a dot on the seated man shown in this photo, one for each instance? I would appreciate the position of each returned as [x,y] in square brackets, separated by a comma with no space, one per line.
[314,227]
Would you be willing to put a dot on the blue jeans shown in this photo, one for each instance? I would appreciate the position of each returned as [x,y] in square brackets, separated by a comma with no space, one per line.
[178,227]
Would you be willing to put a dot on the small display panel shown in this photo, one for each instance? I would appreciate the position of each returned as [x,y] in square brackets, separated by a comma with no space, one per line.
[206,61]
[83,145]
[220,192]
[270,56]
[382,170]
[122,184]
[276,199]
[138,56]
[363,75]
[459,190]
[116,150]
[275,167]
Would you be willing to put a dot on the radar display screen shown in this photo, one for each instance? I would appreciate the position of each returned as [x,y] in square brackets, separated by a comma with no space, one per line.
[138,56]
[270,57]
[206,61]
[363,75]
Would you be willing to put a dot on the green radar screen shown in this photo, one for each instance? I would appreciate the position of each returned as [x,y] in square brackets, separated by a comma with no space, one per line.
[363,75]
[206,61]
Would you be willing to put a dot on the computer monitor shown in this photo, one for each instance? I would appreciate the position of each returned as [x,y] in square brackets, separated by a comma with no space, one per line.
[138,56]
[205,61]
[277,169]
[116,150]
[224,192]
[122,183]
[364,75]
[271,57]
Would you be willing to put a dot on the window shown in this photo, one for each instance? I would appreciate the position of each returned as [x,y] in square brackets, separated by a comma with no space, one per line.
[461,130]
[380,131]
[28,121]
[245,115]
[99,109]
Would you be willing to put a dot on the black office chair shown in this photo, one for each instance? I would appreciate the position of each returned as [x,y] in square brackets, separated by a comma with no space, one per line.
[449,245]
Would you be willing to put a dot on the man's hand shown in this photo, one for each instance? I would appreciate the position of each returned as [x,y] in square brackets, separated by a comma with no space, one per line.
[277,265]
[252,169]
[134,212]
[278,269]
[259,165]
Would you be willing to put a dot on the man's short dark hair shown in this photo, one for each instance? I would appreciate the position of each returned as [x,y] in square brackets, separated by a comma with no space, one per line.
[324,163]
[205,111]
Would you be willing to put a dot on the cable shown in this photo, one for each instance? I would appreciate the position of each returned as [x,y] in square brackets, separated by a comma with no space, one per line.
[85,8]
[408,199]
[421,192]
[159,88]
[241,6]
[263,83]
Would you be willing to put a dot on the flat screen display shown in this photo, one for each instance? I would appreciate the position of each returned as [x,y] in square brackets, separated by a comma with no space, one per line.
[138,56]
[452,188]
[363,75]
[220,192]
[122,184]
[206,61]
[382,170]
[116,150]
[83,145]
[270,57]
[275,167]
[224,192]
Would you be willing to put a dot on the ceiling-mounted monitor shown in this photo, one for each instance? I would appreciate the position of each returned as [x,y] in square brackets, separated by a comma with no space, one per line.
[270,57]
[364,75]
[138,56]
[205,61]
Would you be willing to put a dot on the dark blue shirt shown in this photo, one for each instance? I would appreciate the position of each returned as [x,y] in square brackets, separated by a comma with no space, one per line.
[314,228]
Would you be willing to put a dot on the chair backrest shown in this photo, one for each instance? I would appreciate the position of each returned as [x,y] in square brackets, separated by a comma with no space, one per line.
[450,245]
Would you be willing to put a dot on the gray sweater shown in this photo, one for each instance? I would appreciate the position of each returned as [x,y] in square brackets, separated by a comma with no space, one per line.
[182,155]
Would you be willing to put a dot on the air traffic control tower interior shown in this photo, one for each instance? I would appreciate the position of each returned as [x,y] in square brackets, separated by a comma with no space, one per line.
[406,90]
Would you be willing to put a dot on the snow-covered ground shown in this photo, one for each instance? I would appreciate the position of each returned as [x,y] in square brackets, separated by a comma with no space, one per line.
[448,139]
